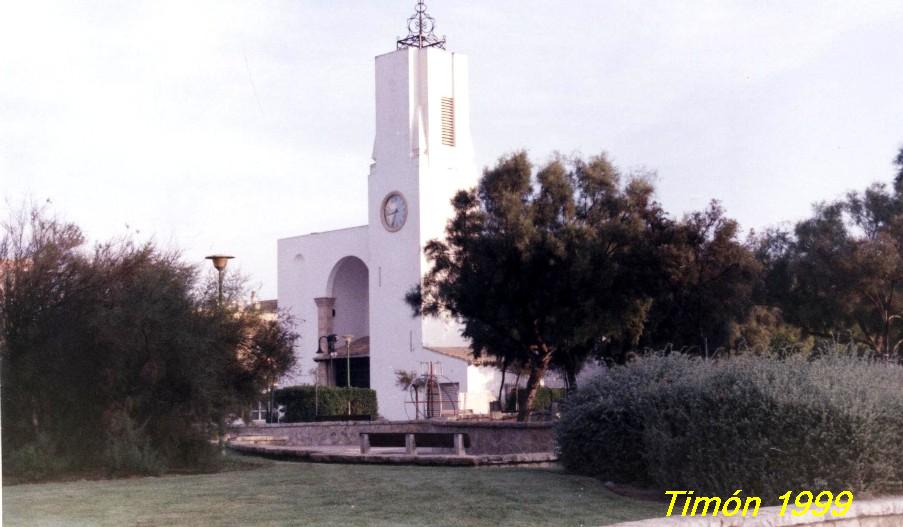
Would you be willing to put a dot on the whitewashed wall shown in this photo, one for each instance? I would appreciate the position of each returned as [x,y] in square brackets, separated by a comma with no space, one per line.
[409,158]
[305,266]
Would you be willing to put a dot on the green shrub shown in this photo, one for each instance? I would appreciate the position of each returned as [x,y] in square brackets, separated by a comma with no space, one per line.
[307,403]
[128,450]
[125,456]
[34,461]
[197,454]
[759,424]
[543,401]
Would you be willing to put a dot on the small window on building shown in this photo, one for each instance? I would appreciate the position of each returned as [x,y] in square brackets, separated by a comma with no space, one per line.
[448,121]
[258,412]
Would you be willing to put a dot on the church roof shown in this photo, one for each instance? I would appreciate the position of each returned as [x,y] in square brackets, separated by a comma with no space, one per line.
[464,353]
[359,348]
[268,306]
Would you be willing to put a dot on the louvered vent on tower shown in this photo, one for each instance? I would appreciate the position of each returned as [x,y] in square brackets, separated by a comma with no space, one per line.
[448,121]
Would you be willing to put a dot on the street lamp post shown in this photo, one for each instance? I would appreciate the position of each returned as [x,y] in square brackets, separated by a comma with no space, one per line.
[219,263]
[348,339]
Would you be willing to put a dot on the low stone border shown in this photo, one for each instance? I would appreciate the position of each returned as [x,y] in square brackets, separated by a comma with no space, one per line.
[884,512]
[319,455]
[464,423]
[486,437]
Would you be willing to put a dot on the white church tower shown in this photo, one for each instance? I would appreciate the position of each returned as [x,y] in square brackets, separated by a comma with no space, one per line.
[353,281]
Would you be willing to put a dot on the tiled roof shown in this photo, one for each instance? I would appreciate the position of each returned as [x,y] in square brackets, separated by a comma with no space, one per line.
[359,348]
[464,353]
[268,306]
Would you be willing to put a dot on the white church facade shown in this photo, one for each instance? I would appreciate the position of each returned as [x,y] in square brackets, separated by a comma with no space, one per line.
[352,281]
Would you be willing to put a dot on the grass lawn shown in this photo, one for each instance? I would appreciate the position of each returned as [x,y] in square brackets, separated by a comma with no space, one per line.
[285,493]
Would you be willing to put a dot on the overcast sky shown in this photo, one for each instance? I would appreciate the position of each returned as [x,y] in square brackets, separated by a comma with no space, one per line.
[223,126]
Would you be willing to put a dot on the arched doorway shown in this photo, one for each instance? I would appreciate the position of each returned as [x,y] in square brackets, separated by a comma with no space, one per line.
[349,288]
[349,284]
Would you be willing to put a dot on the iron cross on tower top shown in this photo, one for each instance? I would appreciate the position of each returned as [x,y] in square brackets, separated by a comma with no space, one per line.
[420,30]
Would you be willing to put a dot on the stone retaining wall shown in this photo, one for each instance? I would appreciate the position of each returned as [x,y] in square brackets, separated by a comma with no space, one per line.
[398,457]
[490,437]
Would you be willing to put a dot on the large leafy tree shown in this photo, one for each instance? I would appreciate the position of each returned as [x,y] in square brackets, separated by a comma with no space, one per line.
[840,273]
[709,287]
[545,270]
[119,347]
[269,353]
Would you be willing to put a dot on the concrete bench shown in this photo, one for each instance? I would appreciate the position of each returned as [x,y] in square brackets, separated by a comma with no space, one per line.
[411,440]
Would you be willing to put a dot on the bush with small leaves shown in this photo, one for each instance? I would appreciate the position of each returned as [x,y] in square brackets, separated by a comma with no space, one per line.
[308,403]
[760,424]
[34,461]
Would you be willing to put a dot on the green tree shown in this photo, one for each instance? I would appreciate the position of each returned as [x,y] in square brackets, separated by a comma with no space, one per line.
[113,356]
[42,278]
[840,274]
[709,287]
[898,179]
[270,353]
[543,271]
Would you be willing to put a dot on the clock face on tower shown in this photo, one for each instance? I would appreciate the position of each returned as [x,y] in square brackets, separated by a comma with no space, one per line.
[394,211]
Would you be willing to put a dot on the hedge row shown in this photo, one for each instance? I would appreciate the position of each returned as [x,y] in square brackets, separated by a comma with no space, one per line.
[307,403]
[762,425]
[543,401]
